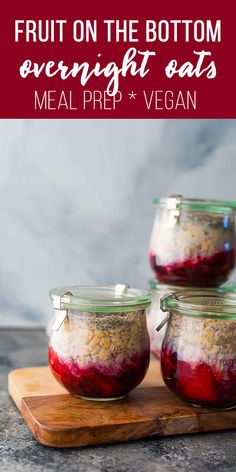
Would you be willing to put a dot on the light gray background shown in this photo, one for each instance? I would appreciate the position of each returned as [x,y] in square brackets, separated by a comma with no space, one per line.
[76,199]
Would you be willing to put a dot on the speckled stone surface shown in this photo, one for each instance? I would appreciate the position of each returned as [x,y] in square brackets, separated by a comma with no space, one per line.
[20,452]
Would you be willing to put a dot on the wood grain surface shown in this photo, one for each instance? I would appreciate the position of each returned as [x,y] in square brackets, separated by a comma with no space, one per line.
[61,421]
[58,419]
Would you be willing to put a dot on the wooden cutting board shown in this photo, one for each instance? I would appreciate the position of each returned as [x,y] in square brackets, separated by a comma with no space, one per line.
[58,419]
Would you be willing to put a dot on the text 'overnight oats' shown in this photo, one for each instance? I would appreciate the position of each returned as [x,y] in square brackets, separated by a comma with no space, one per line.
[198,358]
[193,242]
[101,355]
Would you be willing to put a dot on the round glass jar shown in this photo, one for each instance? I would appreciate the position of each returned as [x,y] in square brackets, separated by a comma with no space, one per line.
[193,242]
[198,358]
[155,314]
[99,345]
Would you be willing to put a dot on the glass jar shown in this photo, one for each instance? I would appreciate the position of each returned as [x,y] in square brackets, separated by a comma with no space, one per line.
[155,314]
[198,358]
[193,241]
[99,344]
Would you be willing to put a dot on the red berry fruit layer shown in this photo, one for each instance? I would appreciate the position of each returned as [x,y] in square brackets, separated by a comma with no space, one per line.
[199,271]
[100,380]
[200,383]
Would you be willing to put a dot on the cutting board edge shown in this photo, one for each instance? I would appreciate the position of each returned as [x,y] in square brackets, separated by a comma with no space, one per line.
[142,427]
[94,437]
[12,389]
[121,432]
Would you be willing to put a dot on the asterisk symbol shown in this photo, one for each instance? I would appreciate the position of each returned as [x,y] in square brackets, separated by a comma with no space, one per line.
[132,95]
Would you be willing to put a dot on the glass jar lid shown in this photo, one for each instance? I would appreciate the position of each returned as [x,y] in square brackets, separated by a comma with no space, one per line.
[98,298]
[157,286]
[179,202]
[212,304]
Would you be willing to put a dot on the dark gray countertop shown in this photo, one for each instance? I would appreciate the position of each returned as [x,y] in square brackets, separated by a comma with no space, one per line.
[20,452]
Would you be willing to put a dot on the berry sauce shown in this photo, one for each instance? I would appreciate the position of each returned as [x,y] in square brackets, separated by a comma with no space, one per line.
[100,380]
[199,271]
[200,383]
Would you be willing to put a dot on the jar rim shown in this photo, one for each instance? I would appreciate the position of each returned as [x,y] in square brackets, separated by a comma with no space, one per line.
[100,298]
[159,287]
[213,305]
[197,204]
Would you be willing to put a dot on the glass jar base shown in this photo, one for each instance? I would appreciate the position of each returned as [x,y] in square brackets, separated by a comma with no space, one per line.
[214,407]
[100,399]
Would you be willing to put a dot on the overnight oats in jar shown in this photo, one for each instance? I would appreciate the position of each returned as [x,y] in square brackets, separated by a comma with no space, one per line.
[193,242]
[155,314]
[198,358]
[99,345]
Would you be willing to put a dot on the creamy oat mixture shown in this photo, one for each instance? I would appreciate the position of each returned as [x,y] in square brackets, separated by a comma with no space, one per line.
[194,234]
[156,315]
[108,338]
[201,339]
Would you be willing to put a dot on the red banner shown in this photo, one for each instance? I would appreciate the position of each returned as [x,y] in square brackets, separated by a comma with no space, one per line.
[124,60]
